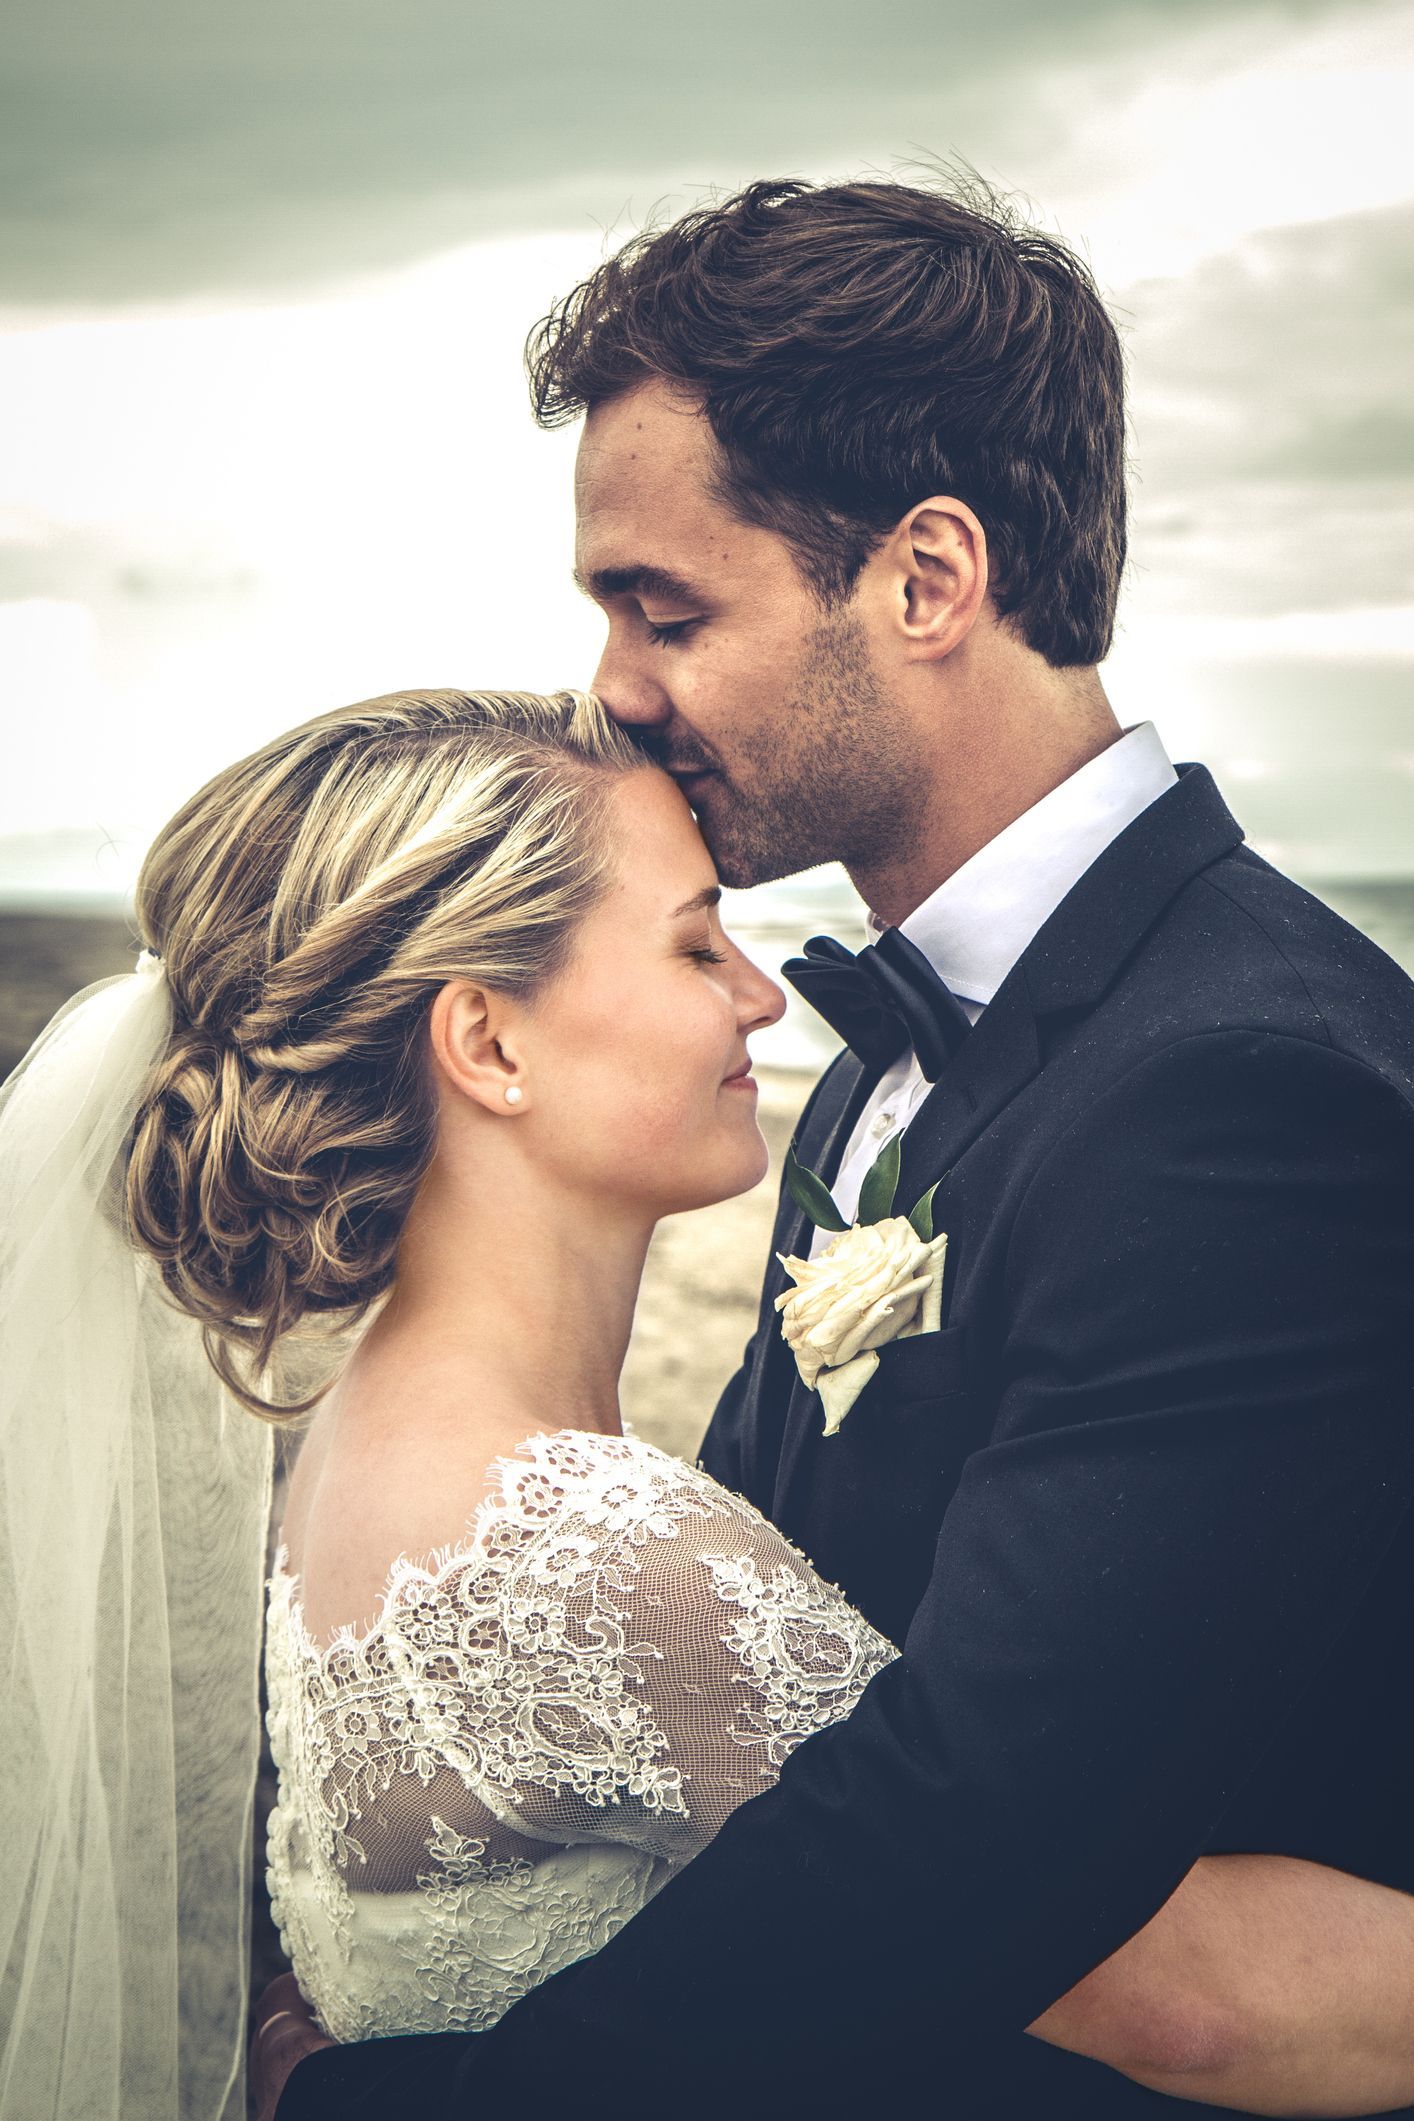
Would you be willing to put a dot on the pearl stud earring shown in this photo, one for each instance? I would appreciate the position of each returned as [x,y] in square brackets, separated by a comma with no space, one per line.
[514,1093]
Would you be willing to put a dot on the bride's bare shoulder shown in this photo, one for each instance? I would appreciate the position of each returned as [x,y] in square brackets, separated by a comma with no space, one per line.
[367,1493]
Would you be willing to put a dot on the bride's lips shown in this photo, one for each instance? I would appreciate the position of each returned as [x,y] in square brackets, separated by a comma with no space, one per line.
[743,1079]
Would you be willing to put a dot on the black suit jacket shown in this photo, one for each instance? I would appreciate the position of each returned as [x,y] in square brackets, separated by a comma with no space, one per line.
[1139,1514]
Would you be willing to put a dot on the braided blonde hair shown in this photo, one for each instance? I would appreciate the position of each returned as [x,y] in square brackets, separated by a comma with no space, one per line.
[308,903]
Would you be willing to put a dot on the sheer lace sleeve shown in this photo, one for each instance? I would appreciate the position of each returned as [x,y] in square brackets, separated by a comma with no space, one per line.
[544,1722]
[659,1650]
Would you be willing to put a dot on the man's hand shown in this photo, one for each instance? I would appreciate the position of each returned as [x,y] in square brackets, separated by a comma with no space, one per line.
[1265,1983]
[284,2034]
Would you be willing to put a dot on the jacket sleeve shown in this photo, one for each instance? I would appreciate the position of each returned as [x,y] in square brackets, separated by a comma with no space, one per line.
[1203,1449]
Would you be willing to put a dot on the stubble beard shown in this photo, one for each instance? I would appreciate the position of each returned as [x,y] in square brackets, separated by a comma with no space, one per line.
[838,784]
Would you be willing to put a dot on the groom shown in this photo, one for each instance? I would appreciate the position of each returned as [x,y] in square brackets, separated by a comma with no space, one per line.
[851,496]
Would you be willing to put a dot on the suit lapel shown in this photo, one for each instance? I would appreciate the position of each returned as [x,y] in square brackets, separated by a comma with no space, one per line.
[1102,921]
[820,1148]
[1068,966]
[842,1098]
[996,1060]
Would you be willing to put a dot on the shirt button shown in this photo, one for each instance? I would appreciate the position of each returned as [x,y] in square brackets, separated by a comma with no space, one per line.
[882,1122]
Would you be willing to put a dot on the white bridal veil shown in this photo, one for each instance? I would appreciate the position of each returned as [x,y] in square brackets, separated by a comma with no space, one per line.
[133,1503]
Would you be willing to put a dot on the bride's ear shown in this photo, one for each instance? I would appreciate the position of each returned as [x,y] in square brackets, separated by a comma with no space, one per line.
[475,1046]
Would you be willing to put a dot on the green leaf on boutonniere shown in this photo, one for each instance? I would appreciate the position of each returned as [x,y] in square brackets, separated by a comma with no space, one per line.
[921,1214]
[876,1195]
[812,1194]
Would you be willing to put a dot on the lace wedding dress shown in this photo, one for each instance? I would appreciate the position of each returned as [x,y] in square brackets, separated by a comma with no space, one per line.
[544,1723]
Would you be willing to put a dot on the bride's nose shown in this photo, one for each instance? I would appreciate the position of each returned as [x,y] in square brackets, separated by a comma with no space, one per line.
[760,1001]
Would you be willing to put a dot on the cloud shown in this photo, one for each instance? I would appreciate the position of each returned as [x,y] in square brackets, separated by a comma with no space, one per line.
[1273,446]
[1325,310]
[159,149]
[94,567]
[1375,442]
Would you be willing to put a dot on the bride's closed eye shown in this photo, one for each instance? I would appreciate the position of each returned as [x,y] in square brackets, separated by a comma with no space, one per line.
[709,956]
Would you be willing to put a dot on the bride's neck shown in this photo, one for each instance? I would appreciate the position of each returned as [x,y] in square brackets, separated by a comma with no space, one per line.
[521,1299]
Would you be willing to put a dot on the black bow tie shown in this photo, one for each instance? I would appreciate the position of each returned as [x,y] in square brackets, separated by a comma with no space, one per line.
[886,998]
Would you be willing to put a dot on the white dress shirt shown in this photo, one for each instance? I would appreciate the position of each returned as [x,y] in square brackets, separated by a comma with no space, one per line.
[976,925]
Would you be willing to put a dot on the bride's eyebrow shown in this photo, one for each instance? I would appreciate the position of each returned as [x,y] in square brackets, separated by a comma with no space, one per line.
[709,895]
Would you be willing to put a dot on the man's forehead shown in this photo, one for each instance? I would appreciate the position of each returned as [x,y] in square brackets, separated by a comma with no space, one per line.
[666,411]
[639,526]
[643,441]
[649,521]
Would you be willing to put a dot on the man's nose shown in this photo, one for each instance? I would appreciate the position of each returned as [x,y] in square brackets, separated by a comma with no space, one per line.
[629,691]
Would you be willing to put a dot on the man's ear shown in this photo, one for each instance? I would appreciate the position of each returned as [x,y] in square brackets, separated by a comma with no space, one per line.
[939,560]
[474,1037]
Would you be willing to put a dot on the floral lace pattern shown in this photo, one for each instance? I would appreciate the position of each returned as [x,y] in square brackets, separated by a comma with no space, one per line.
[543,1723]
[796,1658]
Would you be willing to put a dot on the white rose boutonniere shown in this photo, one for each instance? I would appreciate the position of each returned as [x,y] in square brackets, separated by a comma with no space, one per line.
[880,1279]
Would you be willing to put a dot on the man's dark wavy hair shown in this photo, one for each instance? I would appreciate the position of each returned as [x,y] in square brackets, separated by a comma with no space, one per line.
[858,347]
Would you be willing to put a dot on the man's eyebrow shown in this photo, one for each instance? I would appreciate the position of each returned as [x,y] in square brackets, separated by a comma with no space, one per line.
[601,583]
[709,895]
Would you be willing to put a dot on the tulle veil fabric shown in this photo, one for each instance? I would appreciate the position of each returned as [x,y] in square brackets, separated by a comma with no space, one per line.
[134,1495]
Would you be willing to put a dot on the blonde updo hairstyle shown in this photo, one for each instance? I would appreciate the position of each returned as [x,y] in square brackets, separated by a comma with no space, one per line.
[307,904]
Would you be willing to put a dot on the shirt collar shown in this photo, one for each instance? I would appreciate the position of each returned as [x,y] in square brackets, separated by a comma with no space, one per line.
[976,925]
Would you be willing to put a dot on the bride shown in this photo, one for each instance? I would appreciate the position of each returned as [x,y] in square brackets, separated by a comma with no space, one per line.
[404,1005]
[436,1020]
[520,1665]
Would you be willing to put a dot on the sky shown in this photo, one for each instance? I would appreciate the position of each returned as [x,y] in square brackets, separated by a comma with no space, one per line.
[266,273]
